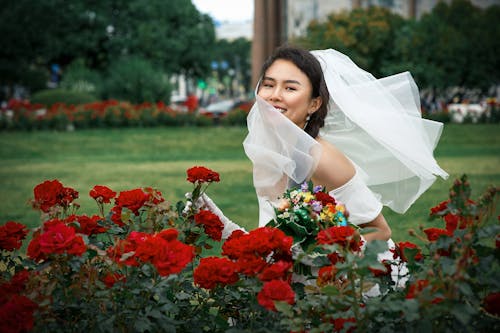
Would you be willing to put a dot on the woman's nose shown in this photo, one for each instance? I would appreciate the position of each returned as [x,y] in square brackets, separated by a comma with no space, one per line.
[275,94]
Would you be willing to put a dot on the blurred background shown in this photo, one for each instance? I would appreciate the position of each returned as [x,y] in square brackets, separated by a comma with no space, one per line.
[204,56]
[131,93]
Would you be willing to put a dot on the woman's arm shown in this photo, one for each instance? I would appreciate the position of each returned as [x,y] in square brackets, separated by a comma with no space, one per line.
[334,171]
[382,232]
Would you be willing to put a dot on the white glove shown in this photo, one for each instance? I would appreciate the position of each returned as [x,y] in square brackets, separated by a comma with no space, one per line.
[204,202]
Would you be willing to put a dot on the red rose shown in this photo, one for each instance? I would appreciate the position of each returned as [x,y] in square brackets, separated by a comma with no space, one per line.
[440,208]
[211,223]
[87,225]
[251,265]
[111,278]
[133,200]
[17,314]
[335,235]
[148,247]
[258,245]
[154,196]
[102,194]
[325,198]
[60,239]
[169,234]
[277,271]
[340,322]
[202,175]
[253,251]
[51,193]
[326,275]
[433,234]
[342,235]
[33,250]
[125,249]
[382,272]
[451,221]
[116,216]
[173,258]
[123,253]
[67,196]
[275,290]
[12,235]
[50,223]
[213,271]
[47,194]
[416,288]
[16,285]
[335,258]
[399,251]
[491,304]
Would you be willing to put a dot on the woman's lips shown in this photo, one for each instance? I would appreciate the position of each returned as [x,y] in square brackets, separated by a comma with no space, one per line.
[280,109]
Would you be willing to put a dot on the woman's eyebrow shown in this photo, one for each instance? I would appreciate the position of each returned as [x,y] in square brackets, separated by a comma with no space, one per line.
[286,81]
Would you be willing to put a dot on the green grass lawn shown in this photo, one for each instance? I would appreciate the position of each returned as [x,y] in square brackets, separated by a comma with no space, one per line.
[124,159]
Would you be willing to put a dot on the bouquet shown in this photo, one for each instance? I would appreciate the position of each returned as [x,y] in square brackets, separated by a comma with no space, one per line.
[308,213]
[305,210]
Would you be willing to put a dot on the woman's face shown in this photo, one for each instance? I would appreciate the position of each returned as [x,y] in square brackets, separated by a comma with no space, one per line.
[289,90]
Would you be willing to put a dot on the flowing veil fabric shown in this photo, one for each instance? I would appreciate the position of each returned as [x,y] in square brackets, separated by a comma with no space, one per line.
[280,153]
[375,122]
[378,125]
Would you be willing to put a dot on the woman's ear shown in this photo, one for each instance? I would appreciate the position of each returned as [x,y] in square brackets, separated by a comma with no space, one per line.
[315,104]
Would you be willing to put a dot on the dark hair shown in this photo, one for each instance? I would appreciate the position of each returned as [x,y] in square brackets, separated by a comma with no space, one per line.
[311,67]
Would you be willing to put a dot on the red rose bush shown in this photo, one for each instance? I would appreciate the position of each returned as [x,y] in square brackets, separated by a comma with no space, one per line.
[143,265]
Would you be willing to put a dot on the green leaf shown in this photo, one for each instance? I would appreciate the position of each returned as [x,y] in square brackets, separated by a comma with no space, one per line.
[448,266]
[142,324]
[284,308]
[463,313]
[330,290]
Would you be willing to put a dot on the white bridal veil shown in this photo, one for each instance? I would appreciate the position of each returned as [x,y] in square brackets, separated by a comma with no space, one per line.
[375,122]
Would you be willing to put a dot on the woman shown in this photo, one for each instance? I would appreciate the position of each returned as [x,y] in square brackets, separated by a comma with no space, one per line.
[320,117]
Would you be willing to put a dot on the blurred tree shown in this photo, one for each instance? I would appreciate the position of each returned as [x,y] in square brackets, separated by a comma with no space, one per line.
[455,44]
[236,54]
[171,34]
[136,80]
[366,35]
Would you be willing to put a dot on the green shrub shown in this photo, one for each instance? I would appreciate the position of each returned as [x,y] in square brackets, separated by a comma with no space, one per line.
[443,117]
[35,79]
[77,77]
[235,118]
[136,80]
[50,97]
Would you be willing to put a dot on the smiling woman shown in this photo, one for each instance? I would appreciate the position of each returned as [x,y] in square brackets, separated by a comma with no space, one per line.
[289,90]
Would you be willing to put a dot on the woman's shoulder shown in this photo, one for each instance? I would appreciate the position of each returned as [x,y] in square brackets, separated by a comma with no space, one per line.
[334,168]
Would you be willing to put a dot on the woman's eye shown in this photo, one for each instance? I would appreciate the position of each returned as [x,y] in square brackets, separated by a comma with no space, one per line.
[291,88]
